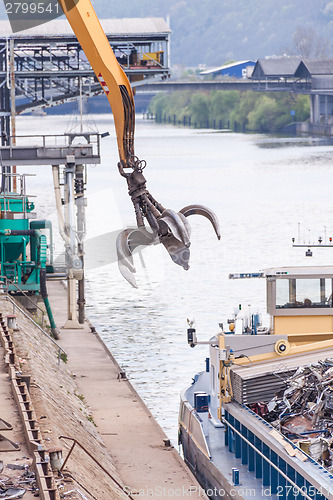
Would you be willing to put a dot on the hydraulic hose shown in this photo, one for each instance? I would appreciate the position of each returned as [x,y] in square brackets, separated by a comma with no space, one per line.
[22,232]
[44,294]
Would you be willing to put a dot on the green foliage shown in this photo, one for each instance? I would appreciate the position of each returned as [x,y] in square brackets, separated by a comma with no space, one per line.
[302,108]
[63,357]
[160,104]
[199,107]
[265,115]
[221,103]
[252,110]
[175,104]
[246,105]
[90,418]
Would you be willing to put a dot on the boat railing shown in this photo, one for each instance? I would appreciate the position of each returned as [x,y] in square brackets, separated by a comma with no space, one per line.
[192,423]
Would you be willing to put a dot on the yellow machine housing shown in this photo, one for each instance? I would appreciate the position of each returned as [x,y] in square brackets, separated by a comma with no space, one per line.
[153,57]
[300,305]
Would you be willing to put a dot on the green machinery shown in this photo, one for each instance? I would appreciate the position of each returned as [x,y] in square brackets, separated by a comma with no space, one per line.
[25,251]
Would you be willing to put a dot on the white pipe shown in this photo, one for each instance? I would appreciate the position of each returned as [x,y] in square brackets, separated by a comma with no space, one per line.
[57,193]
[70,208]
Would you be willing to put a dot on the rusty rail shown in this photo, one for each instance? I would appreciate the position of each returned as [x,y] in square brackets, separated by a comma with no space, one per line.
[75,441]
[4,282]
[16,306]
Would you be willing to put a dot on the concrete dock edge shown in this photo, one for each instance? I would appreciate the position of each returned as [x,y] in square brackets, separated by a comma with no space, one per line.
[129,431]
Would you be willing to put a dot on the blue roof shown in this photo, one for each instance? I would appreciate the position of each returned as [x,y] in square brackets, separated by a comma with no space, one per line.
[228,66]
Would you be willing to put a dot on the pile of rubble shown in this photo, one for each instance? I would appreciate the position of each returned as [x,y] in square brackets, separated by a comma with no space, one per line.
[15,480]
[303,411]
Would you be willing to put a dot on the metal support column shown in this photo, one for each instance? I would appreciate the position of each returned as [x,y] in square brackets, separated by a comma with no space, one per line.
[73,263]
[5,113]
[80,202]
[315,108]
[12,104]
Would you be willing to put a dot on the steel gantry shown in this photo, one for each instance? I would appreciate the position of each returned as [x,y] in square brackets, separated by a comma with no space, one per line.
[47,66]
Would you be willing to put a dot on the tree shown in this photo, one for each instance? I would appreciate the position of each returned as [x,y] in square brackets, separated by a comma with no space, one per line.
[199,108]
[309,44]
[266,116]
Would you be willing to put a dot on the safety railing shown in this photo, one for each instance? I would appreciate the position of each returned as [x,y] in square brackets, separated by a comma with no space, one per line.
[76,442]
[4,284]
[91,139]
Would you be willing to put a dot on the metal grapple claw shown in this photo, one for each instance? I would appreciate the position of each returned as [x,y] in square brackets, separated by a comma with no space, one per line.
[175,232]
[124,252]
[177,239]
[168,227]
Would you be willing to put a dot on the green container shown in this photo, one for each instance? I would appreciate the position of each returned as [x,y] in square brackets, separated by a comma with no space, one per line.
[16,204]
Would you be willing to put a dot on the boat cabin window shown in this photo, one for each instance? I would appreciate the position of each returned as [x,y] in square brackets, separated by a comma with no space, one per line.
[303,293]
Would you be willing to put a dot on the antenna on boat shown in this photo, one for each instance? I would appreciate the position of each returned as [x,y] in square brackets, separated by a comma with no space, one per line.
[190,322]
[321,242]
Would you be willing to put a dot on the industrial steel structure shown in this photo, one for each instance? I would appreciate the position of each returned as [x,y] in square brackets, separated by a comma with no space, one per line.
[48,67]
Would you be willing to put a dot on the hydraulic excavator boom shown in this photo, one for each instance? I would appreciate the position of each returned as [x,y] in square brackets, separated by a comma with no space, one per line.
[94,43]
[168,227]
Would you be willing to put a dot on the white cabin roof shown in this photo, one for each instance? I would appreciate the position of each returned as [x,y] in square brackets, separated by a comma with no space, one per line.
[299,272]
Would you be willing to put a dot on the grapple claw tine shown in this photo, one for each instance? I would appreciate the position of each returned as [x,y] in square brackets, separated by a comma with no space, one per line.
[127,274]
[179,253]
[127,241]
[124,252]
[177,224]
[206,212]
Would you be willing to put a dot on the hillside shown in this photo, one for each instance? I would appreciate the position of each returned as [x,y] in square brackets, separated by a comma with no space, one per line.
[212,32]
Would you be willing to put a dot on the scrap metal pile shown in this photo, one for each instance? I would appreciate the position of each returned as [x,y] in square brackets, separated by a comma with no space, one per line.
[19,480]
[303,411]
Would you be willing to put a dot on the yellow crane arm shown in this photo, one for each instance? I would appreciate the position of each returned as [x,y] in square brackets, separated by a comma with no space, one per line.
[168,227]
[90,34]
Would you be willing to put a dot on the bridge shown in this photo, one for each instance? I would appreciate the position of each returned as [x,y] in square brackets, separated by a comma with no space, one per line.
[201,86]
[277,74]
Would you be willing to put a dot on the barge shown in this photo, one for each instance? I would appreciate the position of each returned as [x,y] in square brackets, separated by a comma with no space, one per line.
[227,441]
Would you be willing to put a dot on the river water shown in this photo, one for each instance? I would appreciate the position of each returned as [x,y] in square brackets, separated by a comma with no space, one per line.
[261,188]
